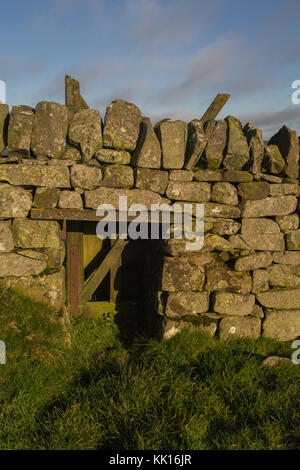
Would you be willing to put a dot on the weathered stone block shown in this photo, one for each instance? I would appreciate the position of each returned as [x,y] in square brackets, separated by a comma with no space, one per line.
[208,175]
[288,144]
[55,256]
[212,209]
[255,261]
[254,190]
[171,327]
[196,143]
[260,281]
[239,327]
[225,193]
[85,132]
[49,129]
[111,196]
[148,152]
[113,156]
[215,242]
[288,222]
[229,303]
[20,129]
[85,177]
[268,241]
[287,257]
[237,153]
[154,180]
[49,289]
[121,125]
[236,176]
[194,192]
[179,275]
[293,240]
[173,139]
[14,202]
[283,325]
[36,175]
[12,264]
[181,304]
[46,198]
[70,200]
[256,147]
[282,299]
[29,233]
[4,116]
[273,161]
[71,153]
[180,175]
[221,279]
[270,206]
[226,227]
[280,275]
[283,188]
[118,176]
[6,239]
[259,226]
[216,134]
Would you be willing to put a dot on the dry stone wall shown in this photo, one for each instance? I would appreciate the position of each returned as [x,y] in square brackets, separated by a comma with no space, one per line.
[245,281]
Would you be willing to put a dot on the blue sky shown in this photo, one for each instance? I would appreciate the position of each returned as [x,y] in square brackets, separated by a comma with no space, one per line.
[169,57]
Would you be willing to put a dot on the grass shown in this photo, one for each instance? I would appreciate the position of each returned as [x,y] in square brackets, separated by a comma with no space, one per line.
[190,392]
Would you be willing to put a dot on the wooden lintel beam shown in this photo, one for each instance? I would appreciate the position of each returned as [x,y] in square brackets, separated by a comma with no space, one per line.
[215,107]
[109,262]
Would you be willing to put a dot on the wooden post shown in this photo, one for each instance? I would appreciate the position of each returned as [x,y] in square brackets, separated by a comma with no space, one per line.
[215,107]
[75,273]
[113,292]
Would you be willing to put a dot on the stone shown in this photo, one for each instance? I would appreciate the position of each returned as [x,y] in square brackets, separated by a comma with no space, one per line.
[266,242]
[288,222]
[288,144]
[256,147]
[273,361]
[148,151]
[154,180]
[180,304]
[286,299]
[293,240]
[229,303]
[225,193]
[255,261]
[283,325]
[33,254]
[213,209]
[85,132]
[273,161]
[71,153]
[121,125]
[70,200]
[254,190]
[12,264]
[180,175]
[226,227]
[270,206]
[29,233]
[118,176]
[260,281]
[238,243]
[237,152]
[113,156]
[172,136]
[49,289]
[222,279]
[111,196]
[179,275]
[280,275]
[259,226]
[14,202]
[194,191]
[236,176]
[4,117]
[86,177]
[20,130]
[46,198]
[35,175]
[216,134]
[268,178]
[208,175]
[196,142]
[283,188]
[257,311]
[171,327]
[55,256]
[215,242]
[6,239]
[239,327]
[287,257]
[49,129]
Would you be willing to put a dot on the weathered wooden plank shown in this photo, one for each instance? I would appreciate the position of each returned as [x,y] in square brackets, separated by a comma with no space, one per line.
[74,270]
[74,279]
[113,292]
[111,259]
[215,107]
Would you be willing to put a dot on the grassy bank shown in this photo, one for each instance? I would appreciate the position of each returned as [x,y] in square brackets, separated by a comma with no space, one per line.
[190,392]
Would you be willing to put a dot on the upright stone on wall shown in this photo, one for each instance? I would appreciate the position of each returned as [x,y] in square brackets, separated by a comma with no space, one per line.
[288,144]
[4,114]
[85,132]
[173,138]
[20,130]
[148,152]
[237,152]
[121,125]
